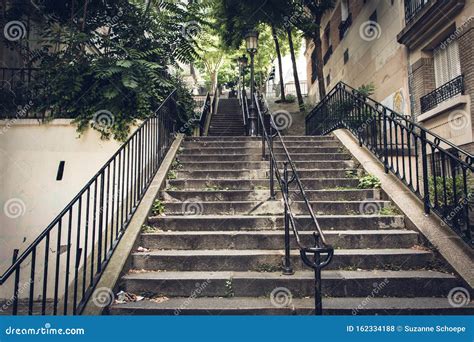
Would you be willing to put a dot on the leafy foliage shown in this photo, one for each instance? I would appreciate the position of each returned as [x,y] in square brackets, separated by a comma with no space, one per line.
[121,57]
[369,182]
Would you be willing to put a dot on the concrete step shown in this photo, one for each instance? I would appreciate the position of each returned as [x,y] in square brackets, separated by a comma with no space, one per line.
[259,164]
[254,260]
[239,184]
[258,150]
[262,195]
[264,239]
[295,306]
[297,157]
[262,173]
[272,222]
[245,138]
[300,284]
[258,143]
[274,207]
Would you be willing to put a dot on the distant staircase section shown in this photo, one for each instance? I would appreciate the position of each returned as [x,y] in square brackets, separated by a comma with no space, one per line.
[228,120]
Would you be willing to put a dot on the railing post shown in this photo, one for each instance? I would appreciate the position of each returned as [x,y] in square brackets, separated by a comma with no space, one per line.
[15,284]
[424,161]
[318,302]
[272,167]
[287,269]
[385,142]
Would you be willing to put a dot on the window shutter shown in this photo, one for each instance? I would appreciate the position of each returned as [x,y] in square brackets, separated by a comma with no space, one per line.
[446,63]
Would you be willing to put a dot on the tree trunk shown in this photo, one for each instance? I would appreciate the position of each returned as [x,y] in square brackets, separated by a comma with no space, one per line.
[319,60]
[295,71]
[280,68]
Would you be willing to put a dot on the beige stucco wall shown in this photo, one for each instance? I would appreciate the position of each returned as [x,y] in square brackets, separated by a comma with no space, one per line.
[30,153]
[381,60]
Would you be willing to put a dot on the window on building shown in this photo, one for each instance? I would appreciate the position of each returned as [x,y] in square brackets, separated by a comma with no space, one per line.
[446,62]
[314,66]
[346,56]
[344,10]
[327,36]
[328,80]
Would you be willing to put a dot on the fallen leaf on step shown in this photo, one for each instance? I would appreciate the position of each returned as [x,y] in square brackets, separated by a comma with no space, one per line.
[159,299]
[142,249]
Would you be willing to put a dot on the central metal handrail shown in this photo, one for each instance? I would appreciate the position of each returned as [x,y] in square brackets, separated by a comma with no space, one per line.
[320,246]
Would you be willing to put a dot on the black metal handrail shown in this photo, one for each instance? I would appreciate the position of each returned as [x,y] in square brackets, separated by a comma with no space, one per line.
[90,227]
[327,55]
[244,107]
[321,247]
[412,8]
[442,93]
[433,168]
[206,109]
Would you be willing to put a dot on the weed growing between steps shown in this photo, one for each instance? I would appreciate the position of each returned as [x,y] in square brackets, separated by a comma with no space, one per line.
[176,165]
[229,289]
[158,207]
[267,268]
[369,182]
[390,210]
[149,229]
[172,174]
[210,187]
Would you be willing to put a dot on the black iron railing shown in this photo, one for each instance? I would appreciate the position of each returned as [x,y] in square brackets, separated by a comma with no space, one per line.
[206,109]
[443,93]
[412,8]
[244,106]
[15,91]
[321,251]
[58,272]
[436,170]
[344,26]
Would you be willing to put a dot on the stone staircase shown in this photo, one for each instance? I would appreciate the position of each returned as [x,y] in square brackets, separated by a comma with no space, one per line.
[228,120]
[218,246]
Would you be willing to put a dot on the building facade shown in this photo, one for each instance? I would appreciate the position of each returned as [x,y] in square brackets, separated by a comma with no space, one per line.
[418,54]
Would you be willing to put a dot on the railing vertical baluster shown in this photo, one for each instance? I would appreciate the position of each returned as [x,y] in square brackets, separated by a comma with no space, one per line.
[424,160]
[15,284]
[272,166]
[101,222]
[318,302]
[86,242]
[32,282]
[94,221]
[68,262]
[77,255]
[58,265]
[385,147]
[45,276]
[287,269]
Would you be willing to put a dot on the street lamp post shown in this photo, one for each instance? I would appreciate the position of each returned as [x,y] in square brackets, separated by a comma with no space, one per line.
[251,40]
[243,64]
